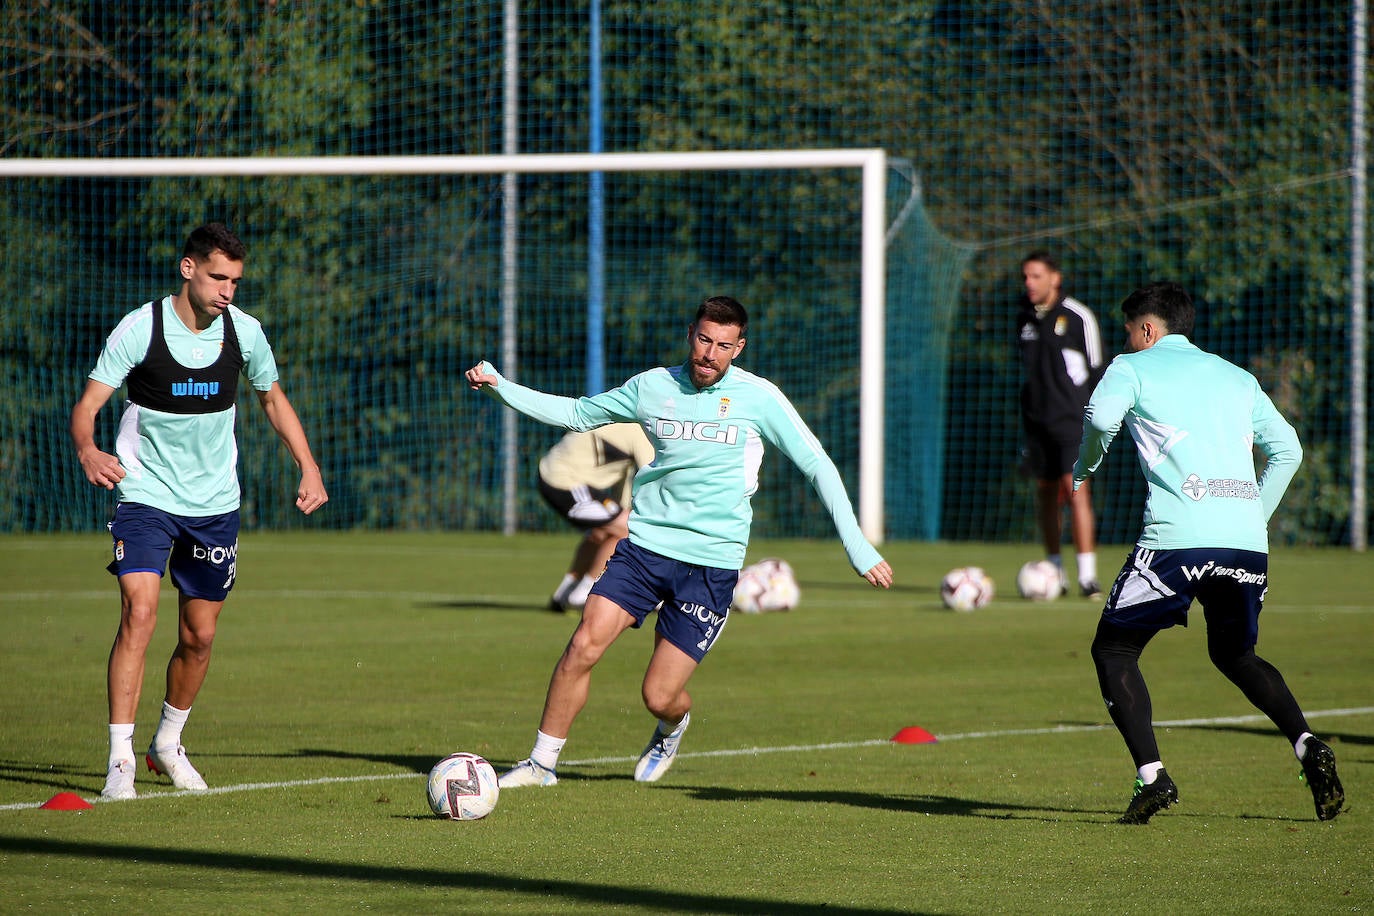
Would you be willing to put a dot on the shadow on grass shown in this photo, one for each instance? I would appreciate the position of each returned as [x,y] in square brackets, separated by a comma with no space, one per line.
[487,604]
[416,763]
[648,899]
[913,804]
[1269,731]
[947,805]
[56,776]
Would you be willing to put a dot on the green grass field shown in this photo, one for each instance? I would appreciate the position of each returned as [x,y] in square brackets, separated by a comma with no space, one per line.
[347,664]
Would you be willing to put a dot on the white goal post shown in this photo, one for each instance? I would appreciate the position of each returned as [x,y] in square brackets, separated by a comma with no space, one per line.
[873,163]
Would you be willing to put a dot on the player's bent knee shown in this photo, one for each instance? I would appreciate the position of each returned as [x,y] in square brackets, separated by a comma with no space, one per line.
[665,704]
[584,649]
[1230,661]
[1103,649]
[198,642]
[139,618]
[1114,659]
[137,626]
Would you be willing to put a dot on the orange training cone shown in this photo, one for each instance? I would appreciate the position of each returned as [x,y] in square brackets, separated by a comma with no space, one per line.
[66,801]
[914,734]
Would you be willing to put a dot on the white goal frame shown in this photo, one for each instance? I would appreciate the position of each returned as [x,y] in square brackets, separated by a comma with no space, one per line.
[873,163]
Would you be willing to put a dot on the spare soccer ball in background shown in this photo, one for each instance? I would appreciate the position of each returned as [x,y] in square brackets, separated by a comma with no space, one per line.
[966,588]
[768,585]
[1038,580]
[463,787]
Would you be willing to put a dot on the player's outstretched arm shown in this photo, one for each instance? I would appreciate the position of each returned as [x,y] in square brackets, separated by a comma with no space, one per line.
[310,494]
[581,414]
[101,468]
[880,576]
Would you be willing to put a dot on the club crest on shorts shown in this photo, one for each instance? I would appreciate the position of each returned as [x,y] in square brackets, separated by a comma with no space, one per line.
[119,550]
[723,410]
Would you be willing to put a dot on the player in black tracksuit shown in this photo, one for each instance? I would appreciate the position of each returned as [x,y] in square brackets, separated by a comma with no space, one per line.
[1061,359]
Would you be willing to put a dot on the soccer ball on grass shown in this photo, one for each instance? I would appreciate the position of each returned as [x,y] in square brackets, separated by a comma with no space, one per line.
[768,585]
[463,787]
[1038,580]
[966,588]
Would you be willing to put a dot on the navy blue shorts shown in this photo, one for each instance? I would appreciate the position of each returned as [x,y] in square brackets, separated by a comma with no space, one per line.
[695,599]
[202,551]
[1156,587]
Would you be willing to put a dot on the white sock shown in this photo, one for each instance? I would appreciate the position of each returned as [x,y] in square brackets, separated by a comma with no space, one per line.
[170,725]
[546,750]
[1087,568]
[578,596]
[121,743]
[560,594]
[667,728]
[1150,772]
[1299,746]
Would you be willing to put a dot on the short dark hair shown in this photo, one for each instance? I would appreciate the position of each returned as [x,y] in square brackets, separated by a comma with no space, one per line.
[723,310]
[206,240]
[1043,257]
[1167,301]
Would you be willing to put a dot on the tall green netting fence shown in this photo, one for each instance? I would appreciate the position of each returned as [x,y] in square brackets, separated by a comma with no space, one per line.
[1138,140]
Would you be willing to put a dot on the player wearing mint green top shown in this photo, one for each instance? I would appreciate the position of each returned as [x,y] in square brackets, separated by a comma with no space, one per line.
[689,522]
[175,466]
[1196,420]
[692,502]
[1194,417]
[177,461]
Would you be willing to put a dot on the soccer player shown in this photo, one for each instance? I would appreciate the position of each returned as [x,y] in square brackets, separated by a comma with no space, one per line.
[1194,417]
[586,479]
[689,523]
[175,469]
[1061,358]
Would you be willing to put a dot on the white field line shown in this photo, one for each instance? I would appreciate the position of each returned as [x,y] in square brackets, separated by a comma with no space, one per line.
[961,736]
[744,752]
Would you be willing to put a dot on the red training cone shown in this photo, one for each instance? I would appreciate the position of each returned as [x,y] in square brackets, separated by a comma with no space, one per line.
[66,801]
[914,734]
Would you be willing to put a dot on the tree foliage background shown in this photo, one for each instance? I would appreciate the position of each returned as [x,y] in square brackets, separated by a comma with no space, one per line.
[1138,139]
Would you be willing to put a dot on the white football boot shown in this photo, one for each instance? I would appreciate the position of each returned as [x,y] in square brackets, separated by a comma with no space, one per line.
[119,781]
[172,762]
[527,773]
[662,749]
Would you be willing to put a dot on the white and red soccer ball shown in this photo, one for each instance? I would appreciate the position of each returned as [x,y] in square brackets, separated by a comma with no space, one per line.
[768,585]
[463,787]
[1039,580]
[966,588]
